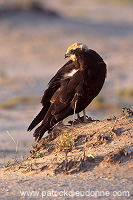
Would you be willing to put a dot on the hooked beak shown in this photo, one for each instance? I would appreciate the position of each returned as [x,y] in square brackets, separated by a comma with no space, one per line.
[67,55]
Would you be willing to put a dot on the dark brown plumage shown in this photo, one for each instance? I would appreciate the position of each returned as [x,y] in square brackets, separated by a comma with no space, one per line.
[72,89]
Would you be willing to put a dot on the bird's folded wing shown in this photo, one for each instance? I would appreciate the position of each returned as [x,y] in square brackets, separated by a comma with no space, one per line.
[59,73]
[67,94]
[55,83]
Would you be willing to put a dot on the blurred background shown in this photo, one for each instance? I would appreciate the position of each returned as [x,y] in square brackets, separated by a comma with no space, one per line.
[34,36]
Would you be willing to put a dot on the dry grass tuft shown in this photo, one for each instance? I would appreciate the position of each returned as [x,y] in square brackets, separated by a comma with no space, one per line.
[126,92]
[65,141]
[14,101]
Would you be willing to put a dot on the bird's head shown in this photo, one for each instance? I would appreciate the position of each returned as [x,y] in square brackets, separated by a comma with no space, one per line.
[75,50]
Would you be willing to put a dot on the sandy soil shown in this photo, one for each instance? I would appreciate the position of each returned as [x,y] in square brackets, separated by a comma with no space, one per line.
[32,50]
[99,160]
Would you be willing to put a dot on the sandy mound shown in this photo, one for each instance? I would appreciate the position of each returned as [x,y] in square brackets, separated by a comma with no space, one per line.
[82,147]
[93,157]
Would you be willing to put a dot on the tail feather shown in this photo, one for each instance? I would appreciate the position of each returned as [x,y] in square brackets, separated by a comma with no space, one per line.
[39,132]
[37,119]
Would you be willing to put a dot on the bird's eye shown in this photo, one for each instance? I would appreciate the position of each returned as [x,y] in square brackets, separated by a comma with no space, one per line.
[72,51]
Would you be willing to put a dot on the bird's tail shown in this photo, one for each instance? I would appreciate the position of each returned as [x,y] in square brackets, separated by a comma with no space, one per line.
[37,119]
[39,132]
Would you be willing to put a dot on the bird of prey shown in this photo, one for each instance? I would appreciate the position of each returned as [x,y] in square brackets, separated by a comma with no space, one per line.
[72,88]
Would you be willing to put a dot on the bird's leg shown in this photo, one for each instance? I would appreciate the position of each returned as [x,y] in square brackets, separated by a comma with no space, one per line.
[75,104]
[78,116]
[85,119]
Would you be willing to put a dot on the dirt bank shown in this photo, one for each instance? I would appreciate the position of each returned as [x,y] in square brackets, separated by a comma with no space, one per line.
[97,156]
